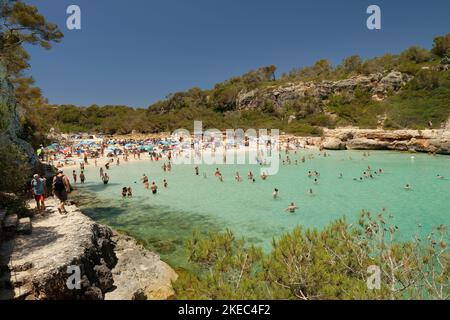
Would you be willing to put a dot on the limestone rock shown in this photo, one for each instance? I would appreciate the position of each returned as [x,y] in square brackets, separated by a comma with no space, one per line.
[10,127]
[333,144]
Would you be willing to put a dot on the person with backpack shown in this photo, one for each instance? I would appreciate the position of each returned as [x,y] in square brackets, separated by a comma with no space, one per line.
[61,187]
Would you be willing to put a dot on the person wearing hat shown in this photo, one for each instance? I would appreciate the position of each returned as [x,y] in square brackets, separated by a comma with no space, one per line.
[38,189]
[61,187]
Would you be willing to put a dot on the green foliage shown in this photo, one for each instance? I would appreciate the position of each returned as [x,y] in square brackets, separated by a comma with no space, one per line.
[441,46]
[359,110]
[23,24]
[14,169]
[4,116]
[425,98]
[310,264]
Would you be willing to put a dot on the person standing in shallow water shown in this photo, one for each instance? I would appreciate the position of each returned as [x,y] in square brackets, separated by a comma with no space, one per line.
[82,177]
[145,181]
[154,187]
[105,179]
[292,207]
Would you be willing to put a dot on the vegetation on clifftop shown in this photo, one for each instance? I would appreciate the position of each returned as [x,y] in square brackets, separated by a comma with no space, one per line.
[424,99]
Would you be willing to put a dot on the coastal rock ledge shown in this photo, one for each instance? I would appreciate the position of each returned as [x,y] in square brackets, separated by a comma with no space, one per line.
[112,266]
[430,141]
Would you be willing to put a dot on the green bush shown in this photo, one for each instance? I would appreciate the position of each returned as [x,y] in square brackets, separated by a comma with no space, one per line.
[307,264]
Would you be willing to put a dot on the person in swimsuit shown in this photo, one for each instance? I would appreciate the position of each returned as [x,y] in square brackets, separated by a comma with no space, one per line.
[275,193]
[145,181]
[124,192]
[154,187]
[165,183]
[105,178]
[129,192]
[74,175]
[82,177]
[292,207]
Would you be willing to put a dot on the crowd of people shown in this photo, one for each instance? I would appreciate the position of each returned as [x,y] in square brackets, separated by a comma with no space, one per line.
[61,185]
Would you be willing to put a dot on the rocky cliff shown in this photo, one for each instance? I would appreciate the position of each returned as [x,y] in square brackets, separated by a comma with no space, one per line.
[377,84]
[431,141]
[62,251]
[10,126]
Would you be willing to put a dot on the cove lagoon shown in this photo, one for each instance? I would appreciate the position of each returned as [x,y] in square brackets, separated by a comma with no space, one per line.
[163,222]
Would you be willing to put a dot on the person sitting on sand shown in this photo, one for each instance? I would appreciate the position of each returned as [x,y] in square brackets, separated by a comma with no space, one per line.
[292,207]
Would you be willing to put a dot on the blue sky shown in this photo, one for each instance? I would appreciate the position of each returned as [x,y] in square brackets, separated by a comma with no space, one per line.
[136,52]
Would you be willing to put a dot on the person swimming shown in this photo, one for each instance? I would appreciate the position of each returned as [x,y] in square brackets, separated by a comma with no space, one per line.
[237,177]
[154,187]
[311,193]
[124,192]
[407,187]
[291,208]
[341,176]
[440,177]
[129,192]
[165,183]
[275,193]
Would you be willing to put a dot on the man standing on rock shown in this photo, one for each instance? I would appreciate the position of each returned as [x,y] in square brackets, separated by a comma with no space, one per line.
[61,187]
[38,189]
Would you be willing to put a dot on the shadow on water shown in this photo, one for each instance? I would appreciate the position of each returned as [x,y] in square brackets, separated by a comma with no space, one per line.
[158,228]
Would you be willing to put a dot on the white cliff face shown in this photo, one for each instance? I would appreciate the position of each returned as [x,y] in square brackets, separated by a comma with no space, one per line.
[10,126]
[378,84]
[434,141]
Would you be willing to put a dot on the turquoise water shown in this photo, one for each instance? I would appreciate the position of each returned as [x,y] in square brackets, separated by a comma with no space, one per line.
[163,222]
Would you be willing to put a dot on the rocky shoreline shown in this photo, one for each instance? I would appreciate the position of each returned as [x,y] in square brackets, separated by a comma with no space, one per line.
[428,141]
[111,265]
